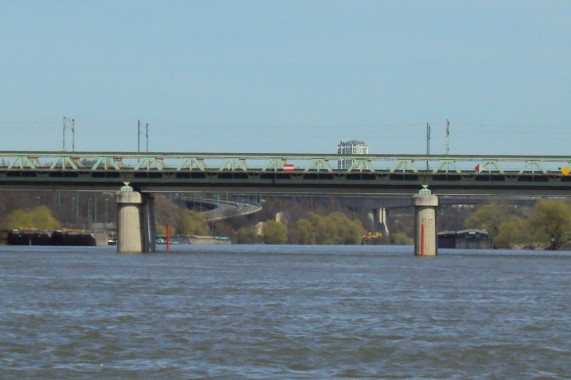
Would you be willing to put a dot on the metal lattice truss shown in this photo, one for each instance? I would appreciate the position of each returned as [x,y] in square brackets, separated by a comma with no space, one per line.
[268,162]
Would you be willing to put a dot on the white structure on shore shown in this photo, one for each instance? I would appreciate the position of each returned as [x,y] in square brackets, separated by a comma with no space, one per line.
[350,147]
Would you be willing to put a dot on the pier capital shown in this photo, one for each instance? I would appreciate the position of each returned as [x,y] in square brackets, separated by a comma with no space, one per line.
[133,197]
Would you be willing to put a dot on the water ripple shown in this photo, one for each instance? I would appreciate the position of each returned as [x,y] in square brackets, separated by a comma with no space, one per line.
[283,312]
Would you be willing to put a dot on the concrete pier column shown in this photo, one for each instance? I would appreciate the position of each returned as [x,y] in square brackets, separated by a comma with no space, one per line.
[129,231]
[425,204]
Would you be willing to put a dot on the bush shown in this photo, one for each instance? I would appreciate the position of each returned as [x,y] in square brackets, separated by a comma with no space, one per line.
[41,217]
[334,228]
[552,221]
[401,238]
[246,235]
[190,222]
[302,232]
[274,233]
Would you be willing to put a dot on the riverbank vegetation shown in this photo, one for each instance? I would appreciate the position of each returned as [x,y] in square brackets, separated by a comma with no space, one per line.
[545,224]
[334,228]
[40,217]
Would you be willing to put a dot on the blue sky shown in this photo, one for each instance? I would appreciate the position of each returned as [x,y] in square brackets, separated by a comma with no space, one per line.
[287,76]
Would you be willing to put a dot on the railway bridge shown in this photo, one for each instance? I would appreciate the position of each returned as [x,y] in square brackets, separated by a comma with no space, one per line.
[136,177]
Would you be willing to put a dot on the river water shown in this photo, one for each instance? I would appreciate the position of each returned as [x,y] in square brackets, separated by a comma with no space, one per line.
[283,312]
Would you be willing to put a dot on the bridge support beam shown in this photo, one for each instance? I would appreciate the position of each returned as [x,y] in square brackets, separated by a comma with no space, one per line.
[148,221]
[425,205]
[136,221]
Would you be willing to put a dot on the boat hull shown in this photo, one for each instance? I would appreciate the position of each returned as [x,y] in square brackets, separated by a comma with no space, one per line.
[63,237]
[195,239]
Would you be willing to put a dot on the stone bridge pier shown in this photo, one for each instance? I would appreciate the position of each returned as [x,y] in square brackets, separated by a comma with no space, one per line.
[135,221]
[425,204]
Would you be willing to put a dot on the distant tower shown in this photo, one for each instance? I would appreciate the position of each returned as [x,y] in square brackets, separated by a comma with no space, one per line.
[350,147]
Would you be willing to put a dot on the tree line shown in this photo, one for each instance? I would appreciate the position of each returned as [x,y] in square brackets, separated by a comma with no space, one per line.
[334,228]
[548,225]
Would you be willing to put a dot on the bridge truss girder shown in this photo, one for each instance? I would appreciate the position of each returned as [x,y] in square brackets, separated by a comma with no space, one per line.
[305,172]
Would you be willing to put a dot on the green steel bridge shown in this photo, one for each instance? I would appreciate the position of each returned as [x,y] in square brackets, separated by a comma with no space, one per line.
[286,172]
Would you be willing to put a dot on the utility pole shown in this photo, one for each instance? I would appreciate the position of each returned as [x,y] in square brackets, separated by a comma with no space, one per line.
[73,135]
[447,136]
[427,144]
[69,124]
[138,135]
[63,137]
[147,134]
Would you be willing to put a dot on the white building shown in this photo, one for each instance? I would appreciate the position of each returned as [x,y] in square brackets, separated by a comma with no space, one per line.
[350,147]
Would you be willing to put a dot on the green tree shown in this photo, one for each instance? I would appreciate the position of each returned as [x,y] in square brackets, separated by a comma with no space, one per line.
[552,220]
[343,230]
[322,235]
[274,233]
[401,238]
[189,222]
[337,225]
[41,217]
[302,232]
[166,211]
[488,217]
[354,232]
[161,229]
[334,228]
[511,231]
[246,235]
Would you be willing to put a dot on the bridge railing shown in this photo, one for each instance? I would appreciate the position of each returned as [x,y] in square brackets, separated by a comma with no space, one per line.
[281,162]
